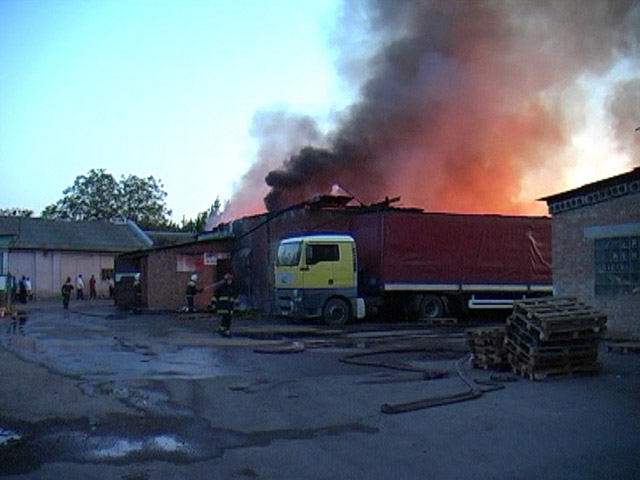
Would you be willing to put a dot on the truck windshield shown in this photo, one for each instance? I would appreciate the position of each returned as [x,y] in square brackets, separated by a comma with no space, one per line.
[289,254]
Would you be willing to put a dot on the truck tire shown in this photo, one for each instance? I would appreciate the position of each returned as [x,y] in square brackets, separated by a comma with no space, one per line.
[336,312]
[431,306]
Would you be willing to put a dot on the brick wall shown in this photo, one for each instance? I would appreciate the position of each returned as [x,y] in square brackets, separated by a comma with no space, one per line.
[573,260]
[164,286]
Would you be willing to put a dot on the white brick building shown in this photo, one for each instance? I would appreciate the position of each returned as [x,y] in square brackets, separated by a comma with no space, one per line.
[49,251]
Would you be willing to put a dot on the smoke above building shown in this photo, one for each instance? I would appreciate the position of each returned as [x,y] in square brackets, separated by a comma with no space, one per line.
[462,104]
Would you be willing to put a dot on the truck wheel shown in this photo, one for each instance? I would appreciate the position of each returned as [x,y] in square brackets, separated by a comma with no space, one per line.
[336,312]
[431,307]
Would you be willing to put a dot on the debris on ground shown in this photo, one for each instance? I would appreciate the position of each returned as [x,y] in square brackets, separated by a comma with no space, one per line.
[286,347]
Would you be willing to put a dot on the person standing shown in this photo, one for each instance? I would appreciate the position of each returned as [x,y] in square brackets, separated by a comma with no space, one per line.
[225,303]
[191,291]
[92,288]
[27,284]
[112,287]
[66,293]
[79,288]
[22,290]
[14,288]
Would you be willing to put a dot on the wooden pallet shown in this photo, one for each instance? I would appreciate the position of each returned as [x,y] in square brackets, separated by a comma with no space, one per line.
[559,313]
[552,336]
[549,352]
[624,347]
[555,348]
[538,332]
[547,362]
[490,357]
[489,361]
[486,342]
[487,347]
[485,336]
[543,374]
[502,366]
[556,330]
[492,350]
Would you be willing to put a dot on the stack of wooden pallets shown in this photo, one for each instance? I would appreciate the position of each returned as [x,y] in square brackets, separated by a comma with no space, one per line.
[553,336]
[487,347]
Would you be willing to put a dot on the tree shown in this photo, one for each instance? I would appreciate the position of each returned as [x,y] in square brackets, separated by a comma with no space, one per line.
[91,197]
[142,200]
[16,212]
[99,196]
[200,222]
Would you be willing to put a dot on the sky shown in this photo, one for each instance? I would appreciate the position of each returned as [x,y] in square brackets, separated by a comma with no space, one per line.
[162,88]
[210,96]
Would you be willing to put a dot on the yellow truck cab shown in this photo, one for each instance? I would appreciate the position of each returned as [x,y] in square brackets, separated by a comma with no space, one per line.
[316,276]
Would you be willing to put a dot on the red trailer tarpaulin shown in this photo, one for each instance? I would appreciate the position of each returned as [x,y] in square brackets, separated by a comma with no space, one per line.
[410,247]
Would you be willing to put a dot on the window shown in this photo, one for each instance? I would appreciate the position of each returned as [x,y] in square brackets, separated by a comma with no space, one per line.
[617,265]
[106,273]
[317,253]
[289,254]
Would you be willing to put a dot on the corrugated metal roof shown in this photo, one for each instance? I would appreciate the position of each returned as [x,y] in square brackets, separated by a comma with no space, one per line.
[165,239]
[69,235]
[632,176]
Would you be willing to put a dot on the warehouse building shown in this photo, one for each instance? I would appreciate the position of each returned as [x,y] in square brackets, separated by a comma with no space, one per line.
[596,248]
[49,251]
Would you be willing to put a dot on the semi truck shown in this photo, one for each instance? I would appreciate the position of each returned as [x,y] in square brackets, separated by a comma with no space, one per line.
[413,265]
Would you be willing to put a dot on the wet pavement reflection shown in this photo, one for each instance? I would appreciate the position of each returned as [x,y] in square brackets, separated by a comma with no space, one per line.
[99,343]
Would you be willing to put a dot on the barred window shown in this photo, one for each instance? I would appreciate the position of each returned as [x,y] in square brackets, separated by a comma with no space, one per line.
[106,273]
[617,265]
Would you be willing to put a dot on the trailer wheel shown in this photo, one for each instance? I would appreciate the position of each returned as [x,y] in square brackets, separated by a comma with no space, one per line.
[431,306]
[336,312]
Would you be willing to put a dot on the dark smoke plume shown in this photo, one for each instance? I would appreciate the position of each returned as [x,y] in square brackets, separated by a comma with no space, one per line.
[280,133]
[460,100]
[624,107]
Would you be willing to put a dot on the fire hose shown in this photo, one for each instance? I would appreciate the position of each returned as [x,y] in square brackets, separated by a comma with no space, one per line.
[474,389]
[471,393]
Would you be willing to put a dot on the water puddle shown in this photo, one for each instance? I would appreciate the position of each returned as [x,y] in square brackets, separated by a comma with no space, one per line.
[119,448]
[122,439]
[8,436]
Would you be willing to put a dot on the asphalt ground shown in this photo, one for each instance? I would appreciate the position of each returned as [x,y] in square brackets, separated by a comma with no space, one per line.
[98,393]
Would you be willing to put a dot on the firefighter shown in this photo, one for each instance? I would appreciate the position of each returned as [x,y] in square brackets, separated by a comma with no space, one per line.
[22,290]
[66,293]
[137,294]
[225,302]
[191,292]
